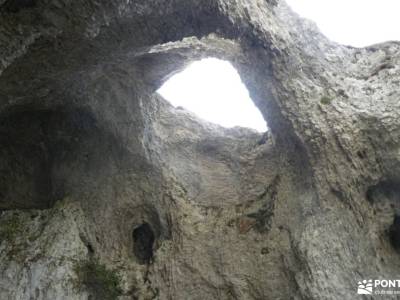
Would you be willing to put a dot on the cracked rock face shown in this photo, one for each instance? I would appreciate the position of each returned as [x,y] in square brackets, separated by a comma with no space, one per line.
[96,167]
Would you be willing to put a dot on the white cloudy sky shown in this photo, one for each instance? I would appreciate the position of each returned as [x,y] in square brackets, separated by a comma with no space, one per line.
[353,22]
[212,88]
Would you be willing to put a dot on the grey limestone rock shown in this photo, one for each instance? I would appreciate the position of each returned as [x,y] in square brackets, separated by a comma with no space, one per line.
[96,167]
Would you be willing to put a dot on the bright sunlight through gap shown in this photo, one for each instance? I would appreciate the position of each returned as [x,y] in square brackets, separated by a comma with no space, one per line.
[358,23]
[212,89]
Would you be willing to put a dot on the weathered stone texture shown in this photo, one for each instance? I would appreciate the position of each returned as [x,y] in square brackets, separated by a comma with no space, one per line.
[89,153]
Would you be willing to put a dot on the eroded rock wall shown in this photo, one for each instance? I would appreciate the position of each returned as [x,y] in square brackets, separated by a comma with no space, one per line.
[95,167]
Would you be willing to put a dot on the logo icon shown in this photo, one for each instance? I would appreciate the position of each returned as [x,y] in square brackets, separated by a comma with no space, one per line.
[364,287]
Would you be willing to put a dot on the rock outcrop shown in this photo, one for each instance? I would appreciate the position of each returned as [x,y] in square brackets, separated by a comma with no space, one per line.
[108,191]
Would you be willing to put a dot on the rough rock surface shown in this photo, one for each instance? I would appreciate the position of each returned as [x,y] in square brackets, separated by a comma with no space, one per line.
[95,166]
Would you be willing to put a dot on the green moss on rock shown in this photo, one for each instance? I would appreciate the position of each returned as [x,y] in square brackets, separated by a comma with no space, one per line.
[103,283]
[326,100]
[10,228]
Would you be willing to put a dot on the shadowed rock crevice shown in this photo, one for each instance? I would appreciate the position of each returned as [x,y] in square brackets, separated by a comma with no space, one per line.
[157,191]
[394,233]
[384,191]
[43,150]
[143,242]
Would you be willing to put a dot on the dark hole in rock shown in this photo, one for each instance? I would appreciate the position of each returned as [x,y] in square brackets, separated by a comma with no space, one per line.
[394,233]
[362,154]
[384,191]
[143,240]
[90,248]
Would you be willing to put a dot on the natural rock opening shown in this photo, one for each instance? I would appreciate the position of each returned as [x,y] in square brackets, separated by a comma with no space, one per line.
[212,89]
[143,241]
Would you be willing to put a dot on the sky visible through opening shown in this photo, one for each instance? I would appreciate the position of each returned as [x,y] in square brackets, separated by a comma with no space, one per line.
[358,23]
[212,89]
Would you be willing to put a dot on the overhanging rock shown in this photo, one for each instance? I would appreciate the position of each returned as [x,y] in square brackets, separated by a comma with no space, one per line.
[90,153]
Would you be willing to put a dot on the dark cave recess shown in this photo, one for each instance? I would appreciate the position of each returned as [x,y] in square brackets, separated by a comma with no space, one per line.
[40,148]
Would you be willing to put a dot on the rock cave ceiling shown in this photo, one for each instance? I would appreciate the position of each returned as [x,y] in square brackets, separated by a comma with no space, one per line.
[90,153]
